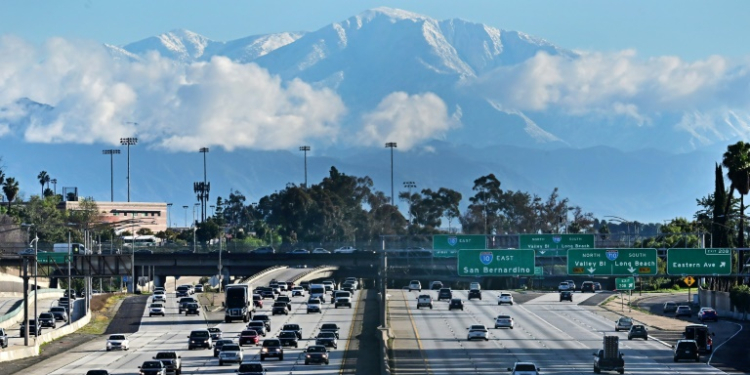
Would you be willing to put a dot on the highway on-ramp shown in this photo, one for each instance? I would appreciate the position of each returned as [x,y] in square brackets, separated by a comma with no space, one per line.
[559,337]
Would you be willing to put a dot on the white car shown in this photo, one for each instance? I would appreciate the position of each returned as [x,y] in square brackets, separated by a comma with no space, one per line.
[117,342]
[230,353]
[505,321]
[505,297]
[320,250]
[156,309]
[345,250]
[477,332]
[475,286]
[415,285]
[298,291]
[313,305]
[563,286]
[159,298]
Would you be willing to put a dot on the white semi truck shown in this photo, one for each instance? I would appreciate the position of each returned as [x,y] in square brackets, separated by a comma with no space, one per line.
[238,303]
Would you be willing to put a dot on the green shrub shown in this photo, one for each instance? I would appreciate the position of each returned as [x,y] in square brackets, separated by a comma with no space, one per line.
[676,287]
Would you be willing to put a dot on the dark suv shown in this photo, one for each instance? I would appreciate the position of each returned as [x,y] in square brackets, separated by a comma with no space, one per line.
[445,293]
[566,296]
[588,286]
[293,327]
[272,348]
[638,331]
[279,308]
[686,349]
[200,339]
[288,338]
[475,293]
[456,303]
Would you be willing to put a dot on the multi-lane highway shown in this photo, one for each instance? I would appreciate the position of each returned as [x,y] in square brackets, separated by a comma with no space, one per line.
[77,310]
[170,333]
[560,337]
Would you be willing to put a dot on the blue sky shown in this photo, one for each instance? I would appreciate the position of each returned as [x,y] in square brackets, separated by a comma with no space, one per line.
[689,29]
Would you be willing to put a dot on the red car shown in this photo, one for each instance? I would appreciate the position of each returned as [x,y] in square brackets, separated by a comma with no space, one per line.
[249,337]
[258,301]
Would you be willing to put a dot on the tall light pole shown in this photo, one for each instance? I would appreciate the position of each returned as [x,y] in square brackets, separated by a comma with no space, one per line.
[128,142]
[409,185]
[204,208]
[185,207]
[305,149]
[193,225]
[54,183]
[623,221]
[111,154]
[391,145]
[169,207]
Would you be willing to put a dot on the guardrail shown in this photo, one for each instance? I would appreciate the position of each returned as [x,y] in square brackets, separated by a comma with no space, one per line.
[262,273]
[12,317]
[18,352]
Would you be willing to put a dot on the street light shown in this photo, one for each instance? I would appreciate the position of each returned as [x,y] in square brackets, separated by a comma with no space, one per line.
[193,224]
[185,207]
[111,154]
[206,188]
[391,145]
[54,183]
[128,142]
[169,206]
[623,221]
[305,149]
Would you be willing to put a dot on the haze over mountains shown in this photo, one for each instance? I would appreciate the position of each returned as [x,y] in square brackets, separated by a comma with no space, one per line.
[618,136]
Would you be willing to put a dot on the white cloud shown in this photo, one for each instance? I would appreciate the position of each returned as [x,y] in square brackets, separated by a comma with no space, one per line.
[617,83]
[407,120]
[176,106]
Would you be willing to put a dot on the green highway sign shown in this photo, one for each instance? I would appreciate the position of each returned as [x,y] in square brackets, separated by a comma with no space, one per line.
[444,253]
[503,262]
[553,245]
[538,271]
[699,262]
[52,258]
[624,283]
[611,262]
[457,242]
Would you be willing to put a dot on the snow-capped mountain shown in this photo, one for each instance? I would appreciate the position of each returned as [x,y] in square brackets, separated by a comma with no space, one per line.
[609,162]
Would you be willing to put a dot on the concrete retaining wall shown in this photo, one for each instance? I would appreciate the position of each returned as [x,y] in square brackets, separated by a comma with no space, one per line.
[720,302]
[16,315]
[17,352]
[317,272]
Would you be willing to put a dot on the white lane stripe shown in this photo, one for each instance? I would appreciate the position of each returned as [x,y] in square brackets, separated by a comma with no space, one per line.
[722,344]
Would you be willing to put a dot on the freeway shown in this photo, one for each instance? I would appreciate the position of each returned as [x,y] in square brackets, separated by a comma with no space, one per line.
[170,333]
[559,337]
[77,310]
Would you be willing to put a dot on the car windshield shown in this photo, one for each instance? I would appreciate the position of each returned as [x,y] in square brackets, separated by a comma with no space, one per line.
[625,321]
[251,367]
[503,317]
[221,343]
[199,334]
[57,309]
[271,343]
[328,326]
[230,348]
[525,367]
[151,364]
[326,335]
[316,349]
[156,305]
[45,315]
[290,327]
[117,337]
[287,334]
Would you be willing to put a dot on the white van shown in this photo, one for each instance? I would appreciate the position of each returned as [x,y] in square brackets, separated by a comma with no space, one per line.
[75,248]
[415,285]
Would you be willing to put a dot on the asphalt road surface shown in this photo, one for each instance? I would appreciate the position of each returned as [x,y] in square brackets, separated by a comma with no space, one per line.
[170,333]
[559,337]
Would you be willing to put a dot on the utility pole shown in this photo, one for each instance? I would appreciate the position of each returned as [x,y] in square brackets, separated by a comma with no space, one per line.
[391,145]
[111,154]
[128,142]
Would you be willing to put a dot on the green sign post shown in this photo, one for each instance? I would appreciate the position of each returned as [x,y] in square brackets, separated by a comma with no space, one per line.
[697,262]
[625,283]
[611,262]
[503,262]
[458,242]
[554,245]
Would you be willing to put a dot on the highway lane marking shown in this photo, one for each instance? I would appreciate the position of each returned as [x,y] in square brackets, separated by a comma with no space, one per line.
[351,329]
[722,344]
[416,334]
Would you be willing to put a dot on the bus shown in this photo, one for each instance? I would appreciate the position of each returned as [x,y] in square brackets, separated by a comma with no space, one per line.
[141,241]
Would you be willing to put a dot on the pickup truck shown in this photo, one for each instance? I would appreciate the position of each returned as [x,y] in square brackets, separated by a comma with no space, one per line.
[171,360]
[609,358]
[424,300]
[3,338]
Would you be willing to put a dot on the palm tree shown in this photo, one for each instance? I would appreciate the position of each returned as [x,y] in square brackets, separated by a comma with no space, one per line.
[737,162]
[43,179]
[10,188]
